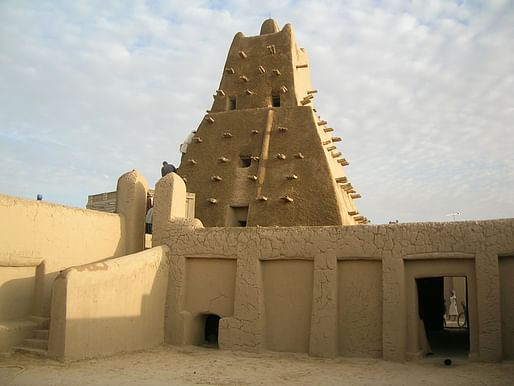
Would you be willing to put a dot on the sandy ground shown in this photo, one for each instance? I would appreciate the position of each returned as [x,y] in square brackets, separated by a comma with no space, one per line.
[167,365]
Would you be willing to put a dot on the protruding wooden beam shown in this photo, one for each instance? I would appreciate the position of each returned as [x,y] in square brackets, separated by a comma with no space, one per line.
[252,177]
[292,177]
[341,180]
[312,91]
[216,178]
[282,129]
[328,129]
[330,148]
[343,162]
[283,89]
[302,65]
[223,159]
[353,212]
[209,119]
[243,78]
[192,161]
[276,72]
[261,198]
[355,195]
[336,154]
[198,139]
[272,49]
[242,54]
[249,92]
[281,156]
[255,131]
[229,70]
[286,198]
[220,92]
[262,70]
[336,139]
[227,134]
[321,123]
[212,200]
[299,156]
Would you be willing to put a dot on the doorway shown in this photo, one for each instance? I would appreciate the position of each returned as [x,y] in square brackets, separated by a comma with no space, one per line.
[442,306]
[211,330]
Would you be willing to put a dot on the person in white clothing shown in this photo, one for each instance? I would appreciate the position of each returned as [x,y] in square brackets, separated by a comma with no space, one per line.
[453,312]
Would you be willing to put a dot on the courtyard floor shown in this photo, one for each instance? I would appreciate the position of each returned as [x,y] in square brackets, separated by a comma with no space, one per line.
[168,365]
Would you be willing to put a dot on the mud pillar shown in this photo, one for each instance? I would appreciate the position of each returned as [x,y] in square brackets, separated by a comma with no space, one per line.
[245,330]
[394,329]
[488,304]
[169,202]
[324,338]
[131,205]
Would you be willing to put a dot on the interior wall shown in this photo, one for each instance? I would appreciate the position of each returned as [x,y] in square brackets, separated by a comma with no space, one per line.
[506,266]
[288,304]
[210,287]
[17,286]
[360,308]
[61,236]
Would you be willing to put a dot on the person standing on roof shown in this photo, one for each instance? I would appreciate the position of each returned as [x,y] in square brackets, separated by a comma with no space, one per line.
[167,168]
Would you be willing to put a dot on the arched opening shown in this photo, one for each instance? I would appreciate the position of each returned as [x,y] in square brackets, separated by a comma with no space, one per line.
[211,330]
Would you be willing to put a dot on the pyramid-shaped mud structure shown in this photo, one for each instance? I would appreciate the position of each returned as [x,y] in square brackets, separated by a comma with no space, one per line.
[262,155]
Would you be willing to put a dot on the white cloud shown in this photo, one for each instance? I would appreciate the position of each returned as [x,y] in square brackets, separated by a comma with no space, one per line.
[421,92]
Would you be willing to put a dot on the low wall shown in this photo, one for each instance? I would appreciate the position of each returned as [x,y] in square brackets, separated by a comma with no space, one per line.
[109,307]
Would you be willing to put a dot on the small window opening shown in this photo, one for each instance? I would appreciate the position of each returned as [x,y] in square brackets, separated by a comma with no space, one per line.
[245,161]
[275,100]
[232,103]
[237,216]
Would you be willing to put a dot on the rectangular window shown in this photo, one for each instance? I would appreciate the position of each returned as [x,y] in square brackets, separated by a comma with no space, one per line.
[237,216]
[232,103]
[275,100]
[245,161]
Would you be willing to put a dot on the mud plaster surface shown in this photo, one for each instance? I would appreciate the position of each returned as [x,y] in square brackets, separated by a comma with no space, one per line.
[167,365]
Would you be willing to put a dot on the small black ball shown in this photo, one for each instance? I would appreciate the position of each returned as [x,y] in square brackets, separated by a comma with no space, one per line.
[447,362]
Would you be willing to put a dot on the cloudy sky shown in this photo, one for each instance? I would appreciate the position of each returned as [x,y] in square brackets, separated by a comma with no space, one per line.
[421,91]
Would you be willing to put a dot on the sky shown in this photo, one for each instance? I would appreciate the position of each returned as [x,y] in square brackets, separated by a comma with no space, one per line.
[422,93]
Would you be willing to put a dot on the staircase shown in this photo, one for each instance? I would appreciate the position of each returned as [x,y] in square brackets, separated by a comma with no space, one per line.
[38,343]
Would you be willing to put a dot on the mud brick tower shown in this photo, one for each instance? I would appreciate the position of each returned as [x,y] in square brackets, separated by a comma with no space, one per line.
[262,155]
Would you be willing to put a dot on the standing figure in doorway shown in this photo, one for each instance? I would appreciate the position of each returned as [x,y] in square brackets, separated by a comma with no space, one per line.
[453,312]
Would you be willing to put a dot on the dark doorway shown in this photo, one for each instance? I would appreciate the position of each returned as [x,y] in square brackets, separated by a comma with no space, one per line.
[212,323]
[446,338]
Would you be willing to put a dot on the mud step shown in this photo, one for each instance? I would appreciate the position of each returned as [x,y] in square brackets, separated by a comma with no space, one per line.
[41,334]
[33,351]
[42,322]
[40,344]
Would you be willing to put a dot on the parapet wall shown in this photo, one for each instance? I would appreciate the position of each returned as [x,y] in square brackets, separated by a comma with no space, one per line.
[334,290]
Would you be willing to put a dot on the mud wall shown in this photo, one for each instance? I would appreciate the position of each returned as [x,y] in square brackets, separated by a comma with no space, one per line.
[359,299]
[39,239]
[108,307]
